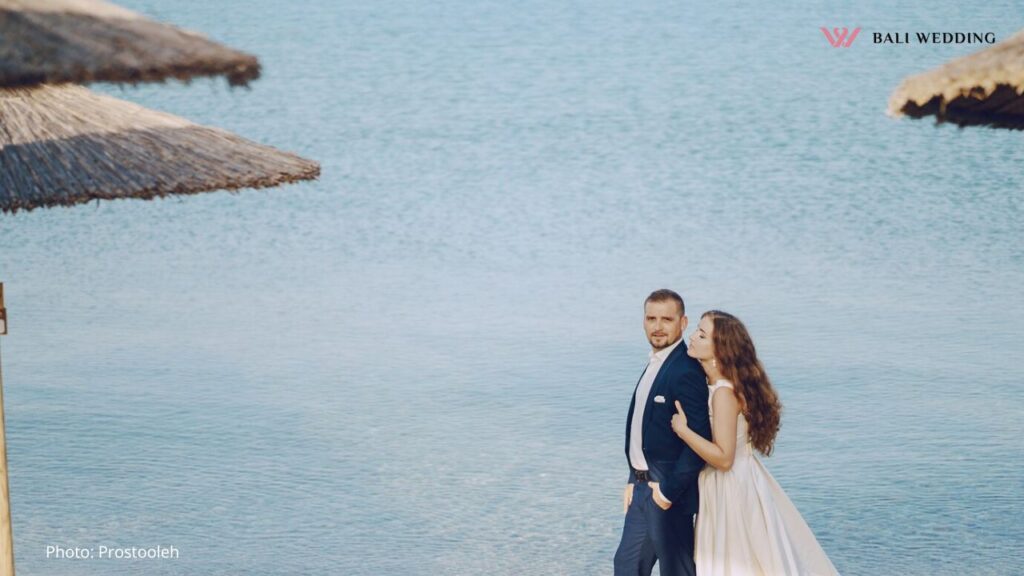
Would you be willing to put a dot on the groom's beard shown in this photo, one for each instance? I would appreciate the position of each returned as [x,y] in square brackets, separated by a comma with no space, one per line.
[657,348]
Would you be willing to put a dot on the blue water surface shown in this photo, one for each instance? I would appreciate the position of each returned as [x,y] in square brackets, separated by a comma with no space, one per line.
[421,364]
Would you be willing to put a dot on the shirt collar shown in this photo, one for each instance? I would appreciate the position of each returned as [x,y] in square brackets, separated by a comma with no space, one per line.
[664,352]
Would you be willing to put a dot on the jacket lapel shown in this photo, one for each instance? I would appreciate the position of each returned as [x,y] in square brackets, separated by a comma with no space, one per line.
[632,408]
[659,382]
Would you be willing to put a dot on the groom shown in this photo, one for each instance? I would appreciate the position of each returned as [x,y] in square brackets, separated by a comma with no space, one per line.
[661,498]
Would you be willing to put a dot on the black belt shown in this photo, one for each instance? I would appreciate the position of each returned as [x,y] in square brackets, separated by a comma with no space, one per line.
[642,475]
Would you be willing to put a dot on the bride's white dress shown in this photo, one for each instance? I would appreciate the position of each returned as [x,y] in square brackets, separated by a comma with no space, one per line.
[746,524]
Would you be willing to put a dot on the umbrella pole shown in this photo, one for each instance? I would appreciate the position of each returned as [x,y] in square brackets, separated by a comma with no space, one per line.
[6,535]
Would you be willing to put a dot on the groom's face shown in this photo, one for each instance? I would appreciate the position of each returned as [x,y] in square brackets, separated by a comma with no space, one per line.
[664,323]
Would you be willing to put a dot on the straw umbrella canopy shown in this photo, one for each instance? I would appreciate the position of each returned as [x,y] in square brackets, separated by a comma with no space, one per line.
[58,41]
[984,88]
[65,145]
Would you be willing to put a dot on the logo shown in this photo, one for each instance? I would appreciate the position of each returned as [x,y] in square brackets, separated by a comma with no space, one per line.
[842,38]
[934,37]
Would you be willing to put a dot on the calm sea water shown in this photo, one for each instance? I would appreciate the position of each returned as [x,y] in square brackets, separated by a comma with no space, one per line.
[421,364]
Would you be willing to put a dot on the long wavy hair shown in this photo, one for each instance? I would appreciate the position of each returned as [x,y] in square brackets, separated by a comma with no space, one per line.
[737,360]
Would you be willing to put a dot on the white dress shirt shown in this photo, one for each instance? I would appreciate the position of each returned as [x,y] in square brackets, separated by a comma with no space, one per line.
[643,390]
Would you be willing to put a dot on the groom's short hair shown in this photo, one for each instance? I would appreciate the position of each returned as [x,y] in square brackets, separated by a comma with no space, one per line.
[664,295]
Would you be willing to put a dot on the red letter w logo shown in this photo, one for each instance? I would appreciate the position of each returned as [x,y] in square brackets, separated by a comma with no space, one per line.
[839,38]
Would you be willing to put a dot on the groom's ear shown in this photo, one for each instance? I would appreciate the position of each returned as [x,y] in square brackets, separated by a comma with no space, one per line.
[684,321]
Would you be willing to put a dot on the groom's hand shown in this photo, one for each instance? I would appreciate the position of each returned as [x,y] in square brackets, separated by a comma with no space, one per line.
[659,499]
[627,498]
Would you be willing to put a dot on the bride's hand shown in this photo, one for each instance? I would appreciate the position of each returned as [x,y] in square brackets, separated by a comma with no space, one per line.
[679,420]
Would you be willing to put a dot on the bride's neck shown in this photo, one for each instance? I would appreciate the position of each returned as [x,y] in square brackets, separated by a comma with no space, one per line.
[713,373]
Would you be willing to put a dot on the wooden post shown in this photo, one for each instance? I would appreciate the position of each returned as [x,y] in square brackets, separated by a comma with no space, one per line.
[6,535]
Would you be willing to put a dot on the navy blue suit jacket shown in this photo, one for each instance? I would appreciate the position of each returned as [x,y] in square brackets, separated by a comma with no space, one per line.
[671,462]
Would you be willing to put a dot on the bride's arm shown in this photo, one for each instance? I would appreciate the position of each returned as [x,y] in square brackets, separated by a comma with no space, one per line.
[720,452]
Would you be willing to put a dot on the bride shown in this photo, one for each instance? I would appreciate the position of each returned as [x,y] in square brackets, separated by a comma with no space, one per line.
[746,524]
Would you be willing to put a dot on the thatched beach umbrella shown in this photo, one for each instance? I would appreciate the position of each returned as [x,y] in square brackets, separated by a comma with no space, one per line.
[58,41]
[984,88]
[65,145]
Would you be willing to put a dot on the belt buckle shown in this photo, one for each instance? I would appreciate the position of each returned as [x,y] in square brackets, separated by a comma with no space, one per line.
[642,475]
